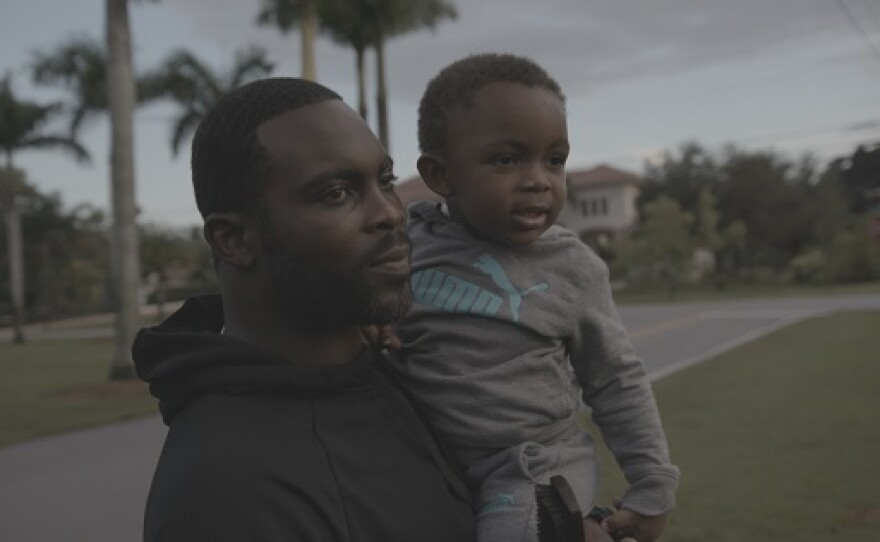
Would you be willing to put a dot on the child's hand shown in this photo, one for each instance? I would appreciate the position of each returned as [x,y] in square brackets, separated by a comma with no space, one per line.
[381,337]
[594,533]
[626,523]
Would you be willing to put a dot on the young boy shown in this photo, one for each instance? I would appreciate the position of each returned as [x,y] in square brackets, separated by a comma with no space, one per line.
[512,321]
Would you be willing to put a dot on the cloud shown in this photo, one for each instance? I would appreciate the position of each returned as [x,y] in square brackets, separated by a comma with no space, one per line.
[585,44]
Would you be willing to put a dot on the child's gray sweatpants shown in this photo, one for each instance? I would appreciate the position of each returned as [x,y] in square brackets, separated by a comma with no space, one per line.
[505,482]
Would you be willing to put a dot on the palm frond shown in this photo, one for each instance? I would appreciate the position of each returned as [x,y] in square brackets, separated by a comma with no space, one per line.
[250,63]
[151,86]
[284,14]
[79,65]
[195,87]
[51,141]
[188,78]
[20,119]
[184,126]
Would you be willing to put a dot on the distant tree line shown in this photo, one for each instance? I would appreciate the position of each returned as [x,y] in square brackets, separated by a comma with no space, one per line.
[737,215]
[65,254]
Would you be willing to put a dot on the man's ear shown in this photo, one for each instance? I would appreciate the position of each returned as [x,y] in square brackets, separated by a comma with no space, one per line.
[231,238]
[432,168]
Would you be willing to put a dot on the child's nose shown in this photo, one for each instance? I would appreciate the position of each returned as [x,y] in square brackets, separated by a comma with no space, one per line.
[536,179]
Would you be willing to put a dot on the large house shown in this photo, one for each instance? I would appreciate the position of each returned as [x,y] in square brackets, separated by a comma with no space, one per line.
[601,201]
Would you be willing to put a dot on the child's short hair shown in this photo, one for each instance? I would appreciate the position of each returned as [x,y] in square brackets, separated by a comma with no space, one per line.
[456,84]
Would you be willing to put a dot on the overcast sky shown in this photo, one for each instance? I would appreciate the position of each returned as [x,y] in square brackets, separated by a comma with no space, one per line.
[641,76]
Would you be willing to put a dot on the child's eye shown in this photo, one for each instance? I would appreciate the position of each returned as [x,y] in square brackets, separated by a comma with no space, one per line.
[557,160]
[504,160]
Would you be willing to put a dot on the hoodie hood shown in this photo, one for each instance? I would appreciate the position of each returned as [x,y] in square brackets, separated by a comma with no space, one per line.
[186,356]
[428,211]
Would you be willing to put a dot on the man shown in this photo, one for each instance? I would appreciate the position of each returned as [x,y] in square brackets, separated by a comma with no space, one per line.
[282,425]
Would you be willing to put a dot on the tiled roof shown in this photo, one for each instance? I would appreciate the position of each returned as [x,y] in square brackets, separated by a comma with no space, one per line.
[414,189]
[601,175]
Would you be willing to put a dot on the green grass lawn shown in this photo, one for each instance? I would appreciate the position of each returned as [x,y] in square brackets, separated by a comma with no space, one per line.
[53,386]
[779,439]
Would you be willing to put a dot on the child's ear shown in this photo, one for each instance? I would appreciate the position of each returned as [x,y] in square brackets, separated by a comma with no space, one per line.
[432,168]
[231,238]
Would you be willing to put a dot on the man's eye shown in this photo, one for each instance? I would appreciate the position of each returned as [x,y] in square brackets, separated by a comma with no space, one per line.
[386,181]
[337,195]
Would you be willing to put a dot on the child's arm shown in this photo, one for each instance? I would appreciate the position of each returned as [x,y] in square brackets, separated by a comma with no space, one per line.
[615,386]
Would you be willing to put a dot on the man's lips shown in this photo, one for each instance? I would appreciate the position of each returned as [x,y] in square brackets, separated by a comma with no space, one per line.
[395,259]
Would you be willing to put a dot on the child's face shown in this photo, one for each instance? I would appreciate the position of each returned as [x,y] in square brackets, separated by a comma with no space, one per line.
[505,162]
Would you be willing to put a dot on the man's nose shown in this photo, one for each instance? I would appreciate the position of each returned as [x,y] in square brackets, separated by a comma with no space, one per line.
[386,211]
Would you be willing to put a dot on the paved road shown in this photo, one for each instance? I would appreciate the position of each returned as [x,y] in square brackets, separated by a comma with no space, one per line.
[672,337]
[91,485]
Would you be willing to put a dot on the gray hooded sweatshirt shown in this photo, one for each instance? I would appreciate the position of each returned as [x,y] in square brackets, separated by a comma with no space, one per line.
[502,344]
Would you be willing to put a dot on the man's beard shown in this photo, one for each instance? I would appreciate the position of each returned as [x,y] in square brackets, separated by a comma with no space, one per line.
[318,299]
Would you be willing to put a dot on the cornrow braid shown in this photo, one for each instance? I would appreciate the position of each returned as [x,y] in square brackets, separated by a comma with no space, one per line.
[456,84]
[229,166]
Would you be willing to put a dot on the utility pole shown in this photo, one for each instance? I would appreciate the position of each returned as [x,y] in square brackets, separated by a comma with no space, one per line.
[16,269]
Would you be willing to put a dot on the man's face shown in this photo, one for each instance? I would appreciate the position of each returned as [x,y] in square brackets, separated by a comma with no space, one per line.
[505,159]
[333,231]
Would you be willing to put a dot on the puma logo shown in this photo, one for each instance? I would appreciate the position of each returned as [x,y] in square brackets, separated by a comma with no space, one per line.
[489,266]
[441,290]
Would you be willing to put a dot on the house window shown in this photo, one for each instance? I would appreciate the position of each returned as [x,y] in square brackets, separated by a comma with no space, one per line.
[594,206]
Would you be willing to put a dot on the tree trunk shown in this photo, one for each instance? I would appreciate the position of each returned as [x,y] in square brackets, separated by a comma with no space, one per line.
[381,93]
[308,30]
[361,81]
[16,268]
[124,235]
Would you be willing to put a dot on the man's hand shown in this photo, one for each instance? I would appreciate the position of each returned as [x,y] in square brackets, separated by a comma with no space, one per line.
[625,524]
[381,337]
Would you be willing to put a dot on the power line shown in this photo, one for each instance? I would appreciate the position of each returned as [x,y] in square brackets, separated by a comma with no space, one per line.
[842,131]
[852,19]
[814,130]
[873,11]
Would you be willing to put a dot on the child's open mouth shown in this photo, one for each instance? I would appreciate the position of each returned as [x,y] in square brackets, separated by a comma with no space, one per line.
[530,217]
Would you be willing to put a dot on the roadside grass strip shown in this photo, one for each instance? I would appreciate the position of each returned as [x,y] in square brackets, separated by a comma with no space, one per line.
[778,439]
[54,386]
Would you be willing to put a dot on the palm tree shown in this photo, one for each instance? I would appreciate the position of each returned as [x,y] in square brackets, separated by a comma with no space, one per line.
[195,87]
[393,18]
[346,22]
[21,124]
[286,14]
[124,264]
[370,23]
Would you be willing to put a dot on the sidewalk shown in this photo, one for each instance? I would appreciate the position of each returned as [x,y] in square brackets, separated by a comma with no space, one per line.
[86,326]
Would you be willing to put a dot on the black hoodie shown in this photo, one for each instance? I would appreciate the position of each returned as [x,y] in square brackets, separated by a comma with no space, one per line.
[258,449]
